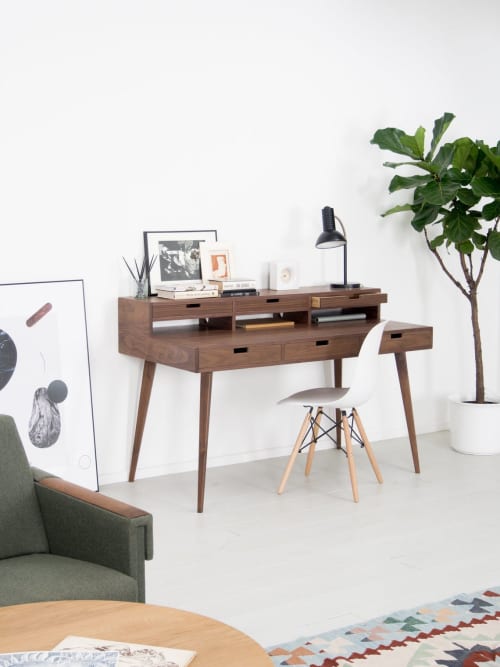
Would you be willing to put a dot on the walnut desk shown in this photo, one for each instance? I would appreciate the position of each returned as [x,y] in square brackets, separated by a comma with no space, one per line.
[215,338]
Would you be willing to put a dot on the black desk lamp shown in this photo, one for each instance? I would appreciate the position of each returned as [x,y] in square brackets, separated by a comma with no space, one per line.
[330,237]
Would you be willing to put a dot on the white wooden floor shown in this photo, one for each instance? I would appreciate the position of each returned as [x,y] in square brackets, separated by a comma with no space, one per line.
[278,567]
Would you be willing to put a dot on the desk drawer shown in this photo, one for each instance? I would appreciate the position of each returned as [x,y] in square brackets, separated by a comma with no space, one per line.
[323,348]
[250,305]
[348,300]
[187,309]
[243,356]
[404,341]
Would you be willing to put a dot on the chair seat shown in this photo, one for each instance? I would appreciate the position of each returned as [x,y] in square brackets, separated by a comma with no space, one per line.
[319,396]
[42,577]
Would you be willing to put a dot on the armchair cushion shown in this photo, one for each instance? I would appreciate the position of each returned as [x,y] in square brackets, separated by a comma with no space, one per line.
[41,577]
[21,526]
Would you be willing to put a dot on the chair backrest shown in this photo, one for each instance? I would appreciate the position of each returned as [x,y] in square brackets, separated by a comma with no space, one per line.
[21,525]
[364,378]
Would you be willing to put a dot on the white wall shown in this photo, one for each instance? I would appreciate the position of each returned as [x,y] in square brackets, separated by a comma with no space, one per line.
[248,117]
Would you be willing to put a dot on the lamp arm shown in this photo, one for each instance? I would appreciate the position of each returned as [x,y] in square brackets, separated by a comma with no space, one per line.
[345,263]
[342,226]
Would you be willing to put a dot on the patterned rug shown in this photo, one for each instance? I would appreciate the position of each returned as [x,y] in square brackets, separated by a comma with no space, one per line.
[462,631]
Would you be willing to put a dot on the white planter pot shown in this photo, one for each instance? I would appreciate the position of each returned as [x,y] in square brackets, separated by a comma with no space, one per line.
[475,428]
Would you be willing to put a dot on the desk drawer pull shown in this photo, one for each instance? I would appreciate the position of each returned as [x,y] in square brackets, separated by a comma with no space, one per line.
[396,335]
[240,350]
[274,300]
[193,305]
[321,342]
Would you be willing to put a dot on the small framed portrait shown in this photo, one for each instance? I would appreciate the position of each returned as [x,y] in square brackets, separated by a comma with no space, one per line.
[216,262]
[178,257]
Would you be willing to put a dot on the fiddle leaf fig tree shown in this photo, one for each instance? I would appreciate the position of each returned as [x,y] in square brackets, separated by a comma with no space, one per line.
[455,205]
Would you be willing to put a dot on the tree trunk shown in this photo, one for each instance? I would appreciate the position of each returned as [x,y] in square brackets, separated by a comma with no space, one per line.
[478,351]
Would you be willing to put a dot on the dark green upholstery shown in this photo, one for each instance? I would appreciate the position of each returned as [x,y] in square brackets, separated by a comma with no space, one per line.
[21,525]
[60,541]
[40,577]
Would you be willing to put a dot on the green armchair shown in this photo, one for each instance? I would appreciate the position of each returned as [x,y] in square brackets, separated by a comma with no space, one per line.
[60,541]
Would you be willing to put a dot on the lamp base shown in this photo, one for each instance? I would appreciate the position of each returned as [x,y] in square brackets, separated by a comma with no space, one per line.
[344,285]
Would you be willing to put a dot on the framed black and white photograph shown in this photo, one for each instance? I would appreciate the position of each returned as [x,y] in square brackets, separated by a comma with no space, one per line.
[216,262]
[45,376]
[178,254]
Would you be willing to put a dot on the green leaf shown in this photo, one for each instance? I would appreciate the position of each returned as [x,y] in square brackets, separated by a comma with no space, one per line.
[457,176]
[425,215]
[492,210]
[479,240]
[444,158]
[438,241]
[439,192]
[493,154]
[467,197]
[465,154]
[466,247]
[494,244]
[427,166]
[405,182]
[397,209]
[420,140]
[485,186]
[458,226]
[440,127]
[397,141]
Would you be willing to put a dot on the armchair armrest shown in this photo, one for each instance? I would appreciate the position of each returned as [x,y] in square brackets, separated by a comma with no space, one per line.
[93,527]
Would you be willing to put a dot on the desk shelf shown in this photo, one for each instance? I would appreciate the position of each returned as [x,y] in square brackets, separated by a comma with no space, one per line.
[223,313]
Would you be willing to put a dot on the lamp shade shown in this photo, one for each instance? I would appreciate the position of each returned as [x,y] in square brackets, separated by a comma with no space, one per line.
[330,237]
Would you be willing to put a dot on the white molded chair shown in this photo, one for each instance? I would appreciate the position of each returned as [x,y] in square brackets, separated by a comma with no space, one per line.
[346,400]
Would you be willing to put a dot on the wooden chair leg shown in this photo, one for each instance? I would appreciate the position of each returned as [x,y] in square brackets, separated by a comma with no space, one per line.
[312,446]
[368,446]
[350,458]
[295,451]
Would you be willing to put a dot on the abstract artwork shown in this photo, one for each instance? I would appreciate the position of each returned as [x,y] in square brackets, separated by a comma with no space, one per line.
[45,376]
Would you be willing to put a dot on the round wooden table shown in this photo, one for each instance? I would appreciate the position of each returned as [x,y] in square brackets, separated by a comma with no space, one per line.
[42,625]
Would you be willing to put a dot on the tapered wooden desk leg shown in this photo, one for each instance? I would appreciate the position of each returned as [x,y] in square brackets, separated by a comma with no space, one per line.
[404,383]
[205,397]
[148,374]
[337,380]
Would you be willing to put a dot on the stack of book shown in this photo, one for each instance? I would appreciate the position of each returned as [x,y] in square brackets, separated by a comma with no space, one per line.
[201,291]
[235,287]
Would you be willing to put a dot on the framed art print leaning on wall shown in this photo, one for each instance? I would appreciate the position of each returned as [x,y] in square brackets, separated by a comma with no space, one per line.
[45,376]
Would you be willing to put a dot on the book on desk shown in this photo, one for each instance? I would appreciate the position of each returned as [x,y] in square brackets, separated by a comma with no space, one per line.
[334,315]
[234,284]
[264,323]
[188,293]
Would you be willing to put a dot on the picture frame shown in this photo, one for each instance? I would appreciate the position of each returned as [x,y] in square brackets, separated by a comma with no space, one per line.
[216,261]
[45,376]
[178,257]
